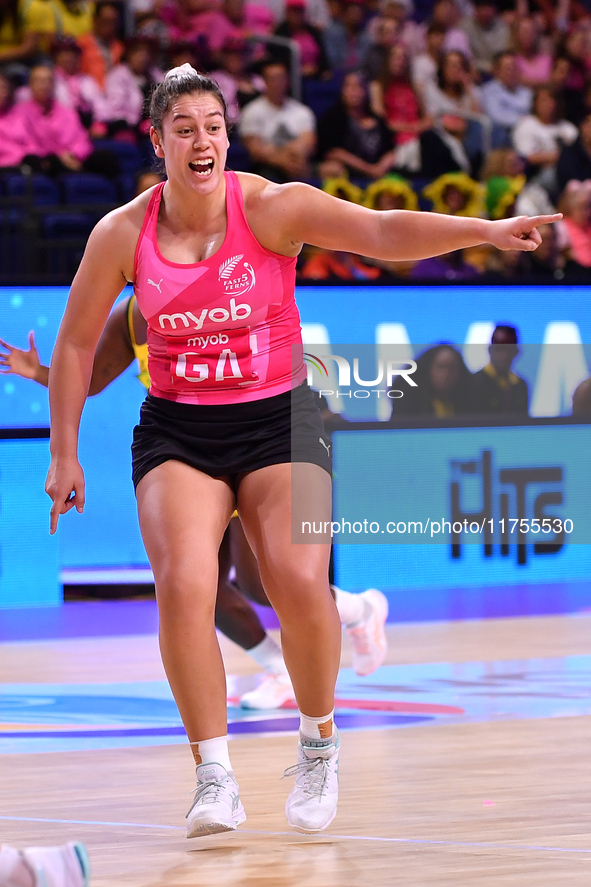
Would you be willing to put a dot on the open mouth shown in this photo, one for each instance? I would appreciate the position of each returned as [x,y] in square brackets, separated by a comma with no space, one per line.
[203,168]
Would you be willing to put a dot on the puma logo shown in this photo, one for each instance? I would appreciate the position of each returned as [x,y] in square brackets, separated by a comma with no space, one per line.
[157,285]
[325,445]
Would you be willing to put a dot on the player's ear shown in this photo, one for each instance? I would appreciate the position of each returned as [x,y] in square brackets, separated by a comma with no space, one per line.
[156,140]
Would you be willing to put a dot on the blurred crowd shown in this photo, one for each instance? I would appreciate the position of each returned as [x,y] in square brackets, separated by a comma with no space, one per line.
[467,108]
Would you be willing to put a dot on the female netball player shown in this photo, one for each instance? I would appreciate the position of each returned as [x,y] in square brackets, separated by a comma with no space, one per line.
[123,340]
[212,256]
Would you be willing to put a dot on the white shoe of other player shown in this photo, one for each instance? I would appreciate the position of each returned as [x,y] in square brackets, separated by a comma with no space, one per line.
[312,804]
[273,691]
[216,807]
[369,636]
[65,866]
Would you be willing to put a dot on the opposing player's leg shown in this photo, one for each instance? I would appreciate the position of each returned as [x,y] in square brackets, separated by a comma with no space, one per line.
[183,514]
[364,617]
[234,615]
[274,689]
[295,577]
[64,866]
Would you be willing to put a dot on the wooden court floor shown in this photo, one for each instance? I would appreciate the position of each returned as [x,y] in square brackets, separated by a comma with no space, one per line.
[504,802]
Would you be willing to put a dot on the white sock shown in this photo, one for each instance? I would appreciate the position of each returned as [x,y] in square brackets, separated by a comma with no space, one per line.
[318,728]
[212,751]
[14,872]
[268,655]
[351,607]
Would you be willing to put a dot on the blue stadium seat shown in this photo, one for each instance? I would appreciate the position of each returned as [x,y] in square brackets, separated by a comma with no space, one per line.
[66,227]
[45,190]
[320,95]
[12,258]
[88,188]
[238,157]
[129,156]
[126,184]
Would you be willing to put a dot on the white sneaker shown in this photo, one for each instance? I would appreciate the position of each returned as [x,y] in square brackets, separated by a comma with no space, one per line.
[273,691]
[369,637]
[65,866]
[216,807]
[312,804]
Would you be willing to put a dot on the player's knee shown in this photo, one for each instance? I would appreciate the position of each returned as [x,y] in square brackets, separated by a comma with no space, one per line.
[184,590]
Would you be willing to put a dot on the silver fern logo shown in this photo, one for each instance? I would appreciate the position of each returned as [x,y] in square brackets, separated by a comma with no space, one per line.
[238,277]
[227,267]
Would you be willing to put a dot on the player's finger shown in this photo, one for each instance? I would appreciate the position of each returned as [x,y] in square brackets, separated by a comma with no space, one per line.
[534,221]
[5,345]
[535,235]
[54,514]
[32,339]
[57,509]
[80,496]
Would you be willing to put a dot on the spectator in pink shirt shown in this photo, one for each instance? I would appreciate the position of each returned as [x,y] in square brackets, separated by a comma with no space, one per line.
[576,206]
[14,142]
[72,88]
[394,99]
[238,85]
[127,91]
[313,60]
[215,22]
[57,139]
[534,65]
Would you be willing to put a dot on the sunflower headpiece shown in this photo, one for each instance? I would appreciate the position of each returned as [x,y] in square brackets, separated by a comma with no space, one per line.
[343,188]
[473,192]
[394,185]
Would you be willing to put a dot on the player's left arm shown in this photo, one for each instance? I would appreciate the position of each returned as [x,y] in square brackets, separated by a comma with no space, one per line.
[297,213]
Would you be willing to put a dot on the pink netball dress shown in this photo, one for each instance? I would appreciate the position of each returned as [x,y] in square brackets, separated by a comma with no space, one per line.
[223,330]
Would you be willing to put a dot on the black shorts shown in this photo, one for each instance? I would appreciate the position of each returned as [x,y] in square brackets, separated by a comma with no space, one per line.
[230,439]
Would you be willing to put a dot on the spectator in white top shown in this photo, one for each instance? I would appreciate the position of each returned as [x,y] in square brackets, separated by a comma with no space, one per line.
[278,132]
[128,87]
[504,98]
[454,93]
[423,67]
[539,137]
[487,32]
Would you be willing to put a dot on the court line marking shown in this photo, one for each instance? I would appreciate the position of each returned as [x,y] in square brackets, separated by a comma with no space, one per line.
[427,841]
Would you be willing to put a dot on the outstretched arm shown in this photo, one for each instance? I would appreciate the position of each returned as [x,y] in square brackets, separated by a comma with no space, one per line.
[299,214]
[24,363]
[114,354]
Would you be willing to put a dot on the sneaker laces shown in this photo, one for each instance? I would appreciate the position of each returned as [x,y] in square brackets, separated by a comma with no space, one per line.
[206,791]
[316,771]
